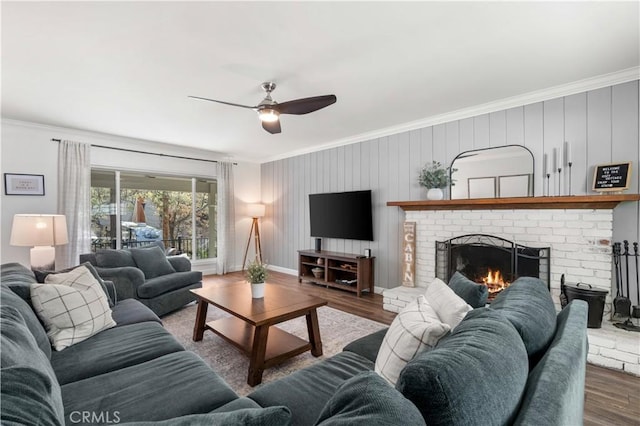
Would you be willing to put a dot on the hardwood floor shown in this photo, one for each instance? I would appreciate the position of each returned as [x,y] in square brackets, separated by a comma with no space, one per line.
[611,397]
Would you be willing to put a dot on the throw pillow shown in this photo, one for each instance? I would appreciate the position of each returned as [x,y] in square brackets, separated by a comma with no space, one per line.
[42,275]
[366,399]
[415,329]
[152,261]
[450,307]
[108,258]
[473,293]
[72,306]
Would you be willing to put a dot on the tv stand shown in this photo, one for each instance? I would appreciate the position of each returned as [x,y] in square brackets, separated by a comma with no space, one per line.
[351,272]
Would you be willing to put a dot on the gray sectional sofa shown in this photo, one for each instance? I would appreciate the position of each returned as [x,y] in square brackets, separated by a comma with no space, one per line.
[514,363]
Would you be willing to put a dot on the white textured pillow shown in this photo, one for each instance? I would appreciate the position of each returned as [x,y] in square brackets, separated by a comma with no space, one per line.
[450,307]
[72,306]
[415,329]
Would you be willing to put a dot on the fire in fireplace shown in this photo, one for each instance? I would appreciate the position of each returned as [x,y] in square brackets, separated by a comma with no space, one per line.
[491,261]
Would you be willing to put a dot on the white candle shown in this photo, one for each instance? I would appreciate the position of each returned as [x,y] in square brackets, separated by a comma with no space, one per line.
[545,165]
[568,158]
[560,156]
[555,159]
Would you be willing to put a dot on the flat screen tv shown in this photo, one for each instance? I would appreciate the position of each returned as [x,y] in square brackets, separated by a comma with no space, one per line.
[344,215]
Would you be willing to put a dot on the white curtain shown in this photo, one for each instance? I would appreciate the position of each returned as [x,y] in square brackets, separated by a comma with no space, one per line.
[74,200]
[226,218]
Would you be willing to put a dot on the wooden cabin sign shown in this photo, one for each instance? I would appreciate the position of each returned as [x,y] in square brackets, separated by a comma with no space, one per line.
[409,254]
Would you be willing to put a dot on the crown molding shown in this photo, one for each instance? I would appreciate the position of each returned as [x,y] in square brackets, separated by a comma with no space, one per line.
[598,82]
[116,141]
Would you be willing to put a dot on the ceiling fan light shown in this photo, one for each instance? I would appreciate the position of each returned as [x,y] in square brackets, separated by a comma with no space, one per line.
[268,115]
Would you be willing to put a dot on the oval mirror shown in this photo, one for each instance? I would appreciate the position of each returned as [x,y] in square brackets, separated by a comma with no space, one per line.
[504,171]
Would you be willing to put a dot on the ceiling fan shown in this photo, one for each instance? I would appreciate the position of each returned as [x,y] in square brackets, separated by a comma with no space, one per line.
[269,110]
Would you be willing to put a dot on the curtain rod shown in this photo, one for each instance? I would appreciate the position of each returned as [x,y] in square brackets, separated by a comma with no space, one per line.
[150,153]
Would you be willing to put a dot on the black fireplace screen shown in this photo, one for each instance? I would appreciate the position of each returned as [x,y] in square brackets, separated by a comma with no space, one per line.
[479,257]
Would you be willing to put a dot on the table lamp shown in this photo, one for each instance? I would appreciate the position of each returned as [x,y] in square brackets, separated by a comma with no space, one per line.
[254,211]
[42,232]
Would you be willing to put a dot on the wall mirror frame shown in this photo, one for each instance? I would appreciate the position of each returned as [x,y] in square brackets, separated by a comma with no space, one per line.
[496,172]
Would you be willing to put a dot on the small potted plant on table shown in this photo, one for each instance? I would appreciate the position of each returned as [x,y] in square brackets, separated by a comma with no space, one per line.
[256,275]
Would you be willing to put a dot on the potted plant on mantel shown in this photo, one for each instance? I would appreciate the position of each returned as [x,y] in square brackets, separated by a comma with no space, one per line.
[256,275]
[434,177]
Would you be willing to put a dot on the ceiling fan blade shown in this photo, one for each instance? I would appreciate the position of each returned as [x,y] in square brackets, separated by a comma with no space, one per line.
[272,127]
[305,105]
[223,102]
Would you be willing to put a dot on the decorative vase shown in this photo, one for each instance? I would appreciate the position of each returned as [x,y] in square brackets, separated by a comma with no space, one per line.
[435,194]
[318,272]
[257,290]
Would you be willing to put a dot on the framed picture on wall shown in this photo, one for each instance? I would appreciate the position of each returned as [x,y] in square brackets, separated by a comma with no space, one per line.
[23,184]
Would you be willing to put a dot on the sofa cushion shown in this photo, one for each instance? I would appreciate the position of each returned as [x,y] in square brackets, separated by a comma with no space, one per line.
[42,275]
[137,392]
[13,271]
[450,307]
[307,391]
[9,298]
[132,311]
[527,303]
[473,293]
[237,404]
[475,376]
[152,261]
[271,416]
[113,349]
[29,391]
[159,285]
[367,346]
[72,306]
[367,399]
[555,389]
[417,328]
[109,258]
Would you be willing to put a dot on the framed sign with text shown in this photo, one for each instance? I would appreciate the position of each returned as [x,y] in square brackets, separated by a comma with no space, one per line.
[409,254]
[611,177]
[22,184]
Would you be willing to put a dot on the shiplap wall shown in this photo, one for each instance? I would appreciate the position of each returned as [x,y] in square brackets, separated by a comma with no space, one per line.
[602,126]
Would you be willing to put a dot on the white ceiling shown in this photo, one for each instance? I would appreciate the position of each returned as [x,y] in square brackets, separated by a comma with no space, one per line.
[127,68]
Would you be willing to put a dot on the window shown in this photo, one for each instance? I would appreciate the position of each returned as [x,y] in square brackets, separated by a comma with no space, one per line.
[178,211]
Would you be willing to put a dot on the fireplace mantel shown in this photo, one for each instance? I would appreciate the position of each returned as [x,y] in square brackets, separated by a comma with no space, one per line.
[515,203]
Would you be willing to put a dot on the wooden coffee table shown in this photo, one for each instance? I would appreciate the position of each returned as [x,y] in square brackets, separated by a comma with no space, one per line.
[250,328]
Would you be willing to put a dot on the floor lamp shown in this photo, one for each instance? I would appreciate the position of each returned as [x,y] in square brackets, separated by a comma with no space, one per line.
[255,211]
[42,232]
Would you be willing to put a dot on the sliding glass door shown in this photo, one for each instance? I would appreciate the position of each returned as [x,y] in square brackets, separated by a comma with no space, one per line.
[135,209]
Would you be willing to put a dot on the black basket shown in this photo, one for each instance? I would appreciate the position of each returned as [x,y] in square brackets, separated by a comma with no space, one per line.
[594,297]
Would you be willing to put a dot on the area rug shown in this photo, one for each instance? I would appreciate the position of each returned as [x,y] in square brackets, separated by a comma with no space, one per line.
[337,329]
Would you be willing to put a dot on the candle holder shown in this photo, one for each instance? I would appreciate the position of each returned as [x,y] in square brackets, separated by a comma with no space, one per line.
[548,179]
[559,181]
[569,164]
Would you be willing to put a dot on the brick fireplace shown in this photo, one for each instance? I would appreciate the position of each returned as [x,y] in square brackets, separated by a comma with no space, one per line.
[578,238]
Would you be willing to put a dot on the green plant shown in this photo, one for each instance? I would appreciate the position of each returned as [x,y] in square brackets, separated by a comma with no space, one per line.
[435,176]
[257,272]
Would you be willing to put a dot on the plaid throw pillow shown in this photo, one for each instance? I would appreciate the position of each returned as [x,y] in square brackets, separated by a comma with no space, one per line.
[450,307]
[415,329]
[72,306]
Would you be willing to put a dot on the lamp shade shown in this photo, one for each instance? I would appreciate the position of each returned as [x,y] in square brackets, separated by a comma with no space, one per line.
[255,210]
[39,230]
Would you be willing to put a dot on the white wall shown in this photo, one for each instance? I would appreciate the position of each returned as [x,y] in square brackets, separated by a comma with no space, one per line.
[27,148]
